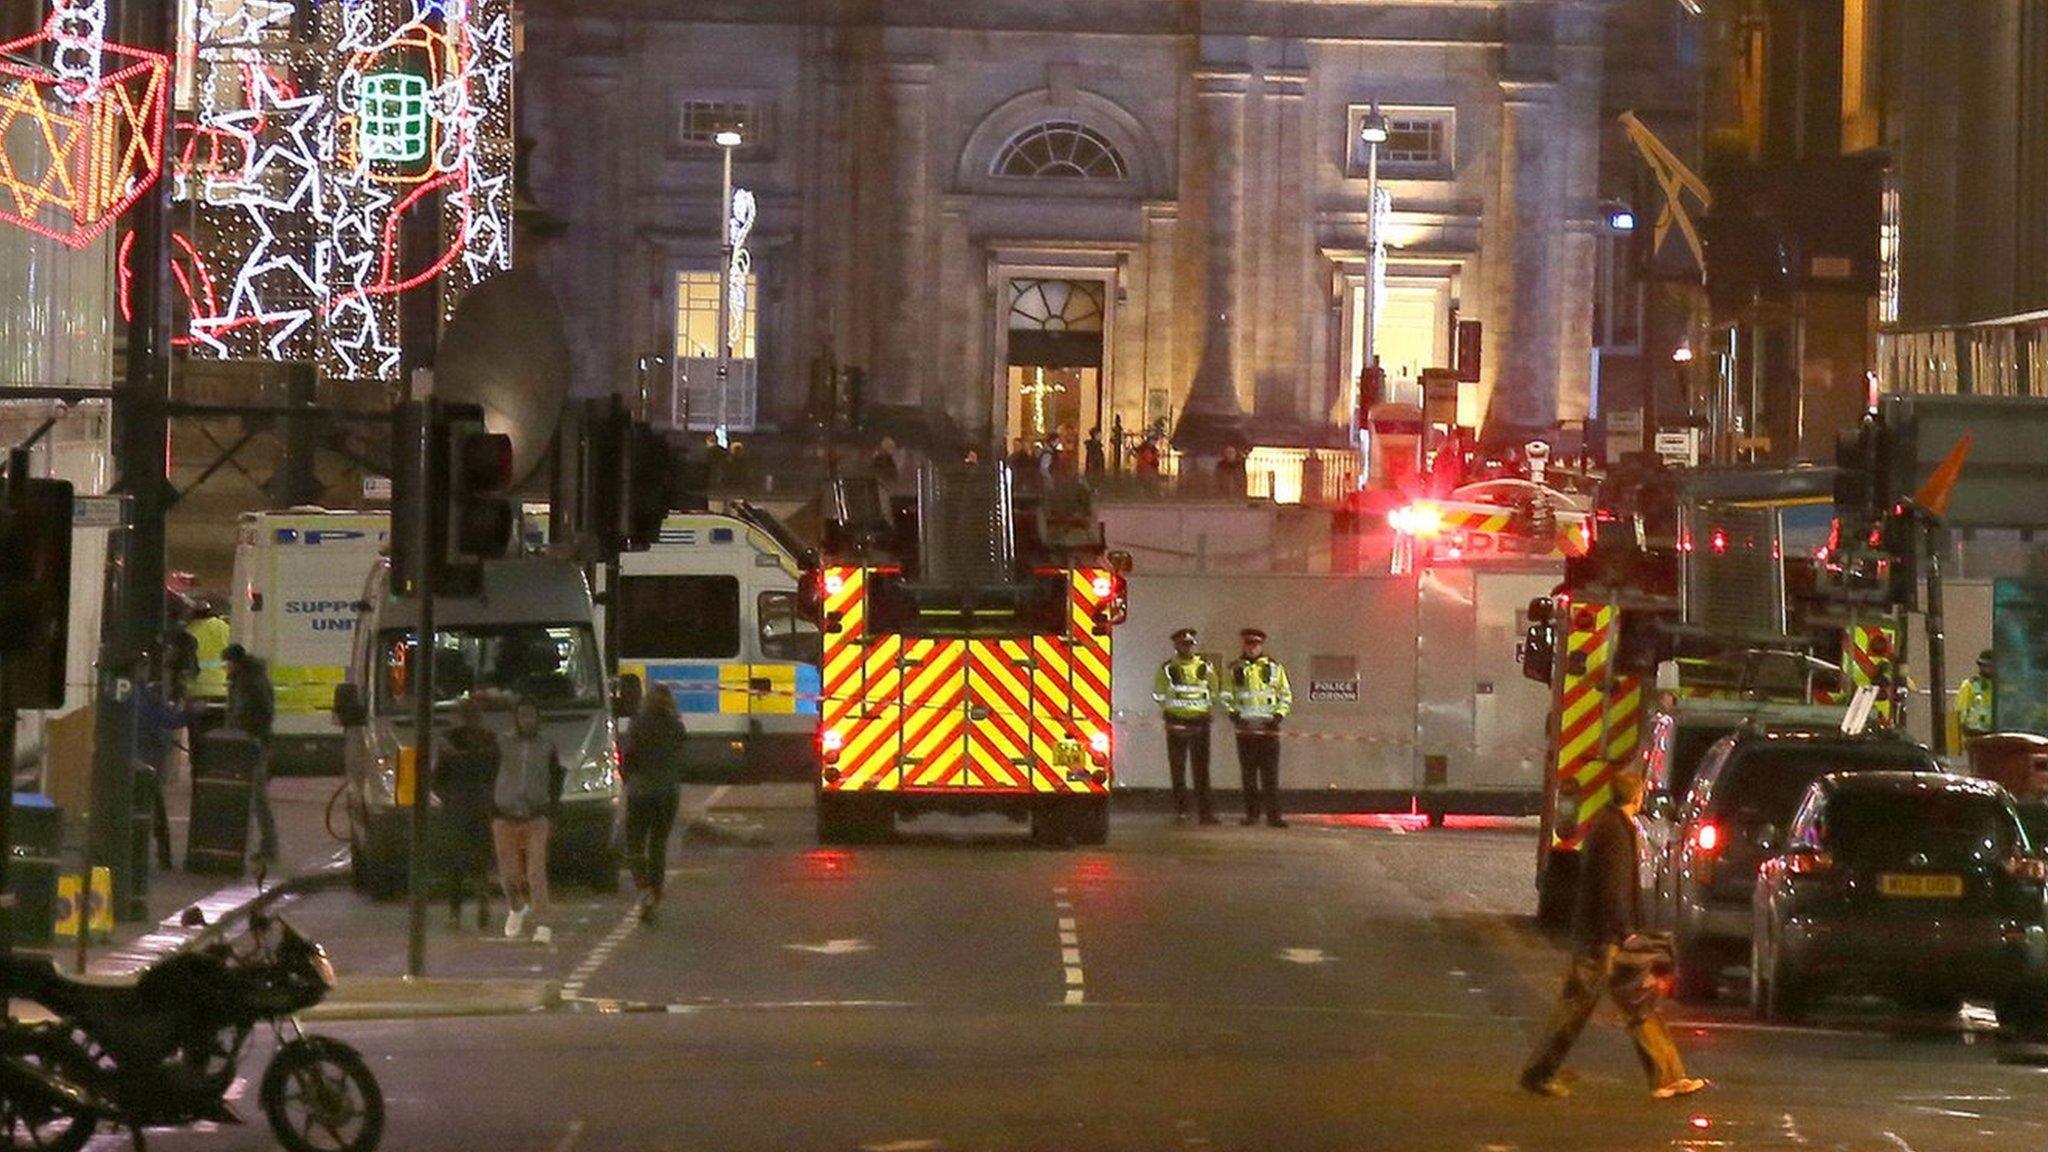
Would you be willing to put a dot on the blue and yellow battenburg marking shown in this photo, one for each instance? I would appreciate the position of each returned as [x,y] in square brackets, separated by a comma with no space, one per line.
[724,688]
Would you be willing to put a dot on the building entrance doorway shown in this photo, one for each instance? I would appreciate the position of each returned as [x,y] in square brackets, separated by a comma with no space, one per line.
[1053,382]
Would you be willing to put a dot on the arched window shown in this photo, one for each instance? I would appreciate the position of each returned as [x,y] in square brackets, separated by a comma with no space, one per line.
[1060,150]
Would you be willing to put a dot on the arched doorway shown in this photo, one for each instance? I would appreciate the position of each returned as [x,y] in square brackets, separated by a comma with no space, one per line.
[1055,361]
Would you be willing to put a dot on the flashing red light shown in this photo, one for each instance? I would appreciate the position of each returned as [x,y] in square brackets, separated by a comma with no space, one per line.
[1103,585]
[834,583]
[1420,519]
[830,741]
[1718,541]
[1098,743]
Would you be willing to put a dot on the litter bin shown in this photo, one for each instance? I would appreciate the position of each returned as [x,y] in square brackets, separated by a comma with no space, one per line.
[37,829]
[217,839]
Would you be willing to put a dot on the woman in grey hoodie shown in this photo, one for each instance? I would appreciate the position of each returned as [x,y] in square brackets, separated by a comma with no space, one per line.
[529,783]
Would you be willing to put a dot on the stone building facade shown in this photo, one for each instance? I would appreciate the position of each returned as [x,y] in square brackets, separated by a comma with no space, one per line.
[1020,216]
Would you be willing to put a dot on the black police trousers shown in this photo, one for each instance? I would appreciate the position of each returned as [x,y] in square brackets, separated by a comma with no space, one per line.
[1187,746]
[1258,758]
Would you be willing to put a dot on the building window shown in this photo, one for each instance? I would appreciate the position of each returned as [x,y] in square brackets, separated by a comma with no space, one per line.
[1056,305]
[1421,143]
[1060,150]
[697,317]
[703,120]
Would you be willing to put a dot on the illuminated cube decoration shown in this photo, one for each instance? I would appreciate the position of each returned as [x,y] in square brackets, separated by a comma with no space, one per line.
[81,125]
[319,125]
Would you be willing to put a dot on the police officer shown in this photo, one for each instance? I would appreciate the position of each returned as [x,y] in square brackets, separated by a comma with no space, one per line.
[1185,690]
[1257,696]
[1974,706]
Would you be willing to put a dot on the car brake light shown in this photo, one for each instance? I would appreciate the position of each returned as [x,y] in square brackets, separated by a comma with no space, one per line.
[1706,838]
[2025,868]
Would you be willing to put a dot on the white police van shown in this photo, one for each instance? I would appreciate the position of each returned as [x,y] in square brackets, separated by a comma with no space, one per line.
[711,611]
[298,576]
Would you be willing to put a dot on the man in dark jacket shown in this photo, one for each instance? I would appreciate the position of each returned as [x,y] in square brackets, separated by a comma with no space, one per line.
[1607,912]
[465,774]
[653,769]
[252,710]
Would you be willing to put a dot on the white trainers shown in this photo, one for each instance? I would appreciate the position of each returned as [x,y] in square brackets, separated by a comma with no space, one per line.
[515,923]
[543,935]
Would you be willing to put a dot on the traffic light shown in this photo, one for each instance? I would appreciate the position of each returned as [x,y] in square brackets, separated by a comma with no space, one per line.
[479,514]
[35,593]
[646,478]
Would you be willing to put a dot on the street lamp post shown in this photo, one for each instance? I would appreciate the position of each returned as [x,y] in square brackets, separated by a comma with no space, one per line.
[727,140]
[1373,132]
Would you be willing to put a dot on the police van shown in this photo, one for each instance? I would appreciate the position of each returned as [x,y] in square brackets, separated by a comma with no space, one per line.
[711,611]
[298,575]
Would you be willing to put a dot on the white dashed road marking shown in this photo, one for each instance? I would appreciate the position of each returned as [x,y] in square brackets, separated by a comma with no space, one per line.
[1070,947]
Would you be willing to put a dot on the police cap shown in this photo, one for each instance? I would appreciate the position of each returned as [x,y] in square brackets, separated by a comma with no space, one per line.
[1187,634]
[1253,634]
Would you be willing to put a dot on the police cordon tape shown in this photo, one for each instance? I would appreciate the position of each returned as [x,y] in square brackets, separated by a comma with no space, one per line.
[1122,718]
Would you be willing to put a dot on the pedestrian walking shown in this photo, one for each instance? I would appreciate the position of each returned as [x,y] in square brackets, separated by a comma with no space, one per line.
[465,780]
[653,767]
[1258,698]
[1608,912]
[252,709]
[529,785]
[1976,706]
[1185,690]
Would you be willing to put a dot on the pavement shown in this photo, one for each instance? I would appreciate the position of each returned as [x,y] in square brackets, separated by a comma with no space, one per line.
[1346,983]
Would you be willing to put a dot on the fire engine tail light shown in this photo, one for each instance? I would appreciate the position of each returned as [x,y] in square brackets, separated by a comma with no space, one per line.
[1104,586]
[1706,837]
[1098,746]
[830,741]
[834,583]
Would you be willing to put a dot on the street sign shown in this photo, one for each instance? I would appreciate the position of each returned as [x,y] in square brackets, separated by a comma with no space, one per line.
[1624,432]
[1680,449]
[99,511]
[377,488]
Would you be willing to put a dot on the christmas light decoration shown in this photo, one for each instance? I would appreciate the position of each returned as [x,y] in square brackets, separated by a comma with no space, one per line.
[319,127]
[81,136]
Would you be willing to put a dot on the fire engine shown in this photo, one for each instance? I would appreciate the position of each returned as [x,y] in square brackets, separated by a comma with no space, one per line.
[1714,584]
[965,663]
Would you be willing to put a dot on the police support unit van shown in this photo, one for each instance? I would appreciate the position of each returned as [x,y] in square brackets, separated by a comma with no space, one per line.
[711,611]
[298,575]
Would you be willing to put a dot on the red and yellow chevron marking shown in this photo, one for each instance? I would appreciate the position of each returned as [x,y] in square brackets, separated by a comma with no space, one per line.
[1868,658]
[1003,715]
[1599,717]
[1468,519]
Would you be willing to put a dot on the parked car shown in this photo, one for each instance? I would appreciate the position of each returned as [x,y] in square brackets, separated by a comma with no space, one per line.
[1705,847]
[1921,886]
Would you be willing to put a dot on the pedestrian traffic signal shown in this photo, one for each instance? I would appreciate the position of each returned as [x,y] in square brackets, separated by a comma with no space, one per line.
[35,592]
[479,512]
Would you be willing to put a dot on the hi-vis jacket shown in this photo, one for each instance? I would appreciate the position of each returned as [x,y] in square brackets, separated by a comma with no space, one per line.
[1257,690]
[1974,704]
[1185,689]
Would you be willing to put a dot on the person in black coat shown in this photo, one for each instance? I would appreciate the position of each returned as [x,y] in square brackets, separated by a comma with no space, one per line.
[465,772]
[1608,910]
[653,768]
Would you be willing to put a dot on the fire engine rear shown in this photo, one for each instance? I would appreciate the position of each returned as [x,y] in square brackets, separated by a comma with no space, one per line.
[966,656]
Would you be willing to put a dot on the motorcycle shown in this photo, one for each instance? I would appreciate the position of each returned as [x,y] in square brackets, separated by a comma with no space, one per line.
[161,1051]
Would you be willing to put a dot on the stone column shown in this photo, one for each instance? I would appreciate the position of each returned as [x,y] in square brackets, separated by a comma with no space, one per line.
[1525,256]
[1286,384]
[903,374]
[1215,410]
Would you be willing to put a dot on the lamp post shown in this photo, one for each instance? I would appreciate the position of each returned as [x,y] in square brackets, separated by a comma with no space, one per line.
[727,140]
[1373,132]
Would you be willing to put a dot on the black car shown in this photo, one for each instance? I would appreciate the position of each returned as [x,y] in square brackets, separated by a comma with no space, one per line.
[1917,885]
[1705,848]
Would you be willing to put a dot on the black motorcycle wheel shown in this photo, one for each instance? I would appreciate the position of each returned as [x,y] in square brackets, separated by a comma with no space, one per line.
[320,1097]
[40,1126]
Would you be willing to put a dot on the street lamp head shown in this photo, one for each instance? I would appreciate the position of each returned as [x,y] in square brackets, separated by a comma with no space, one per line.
[1619,217]
[1681,354]
[728,138]
[1373,129]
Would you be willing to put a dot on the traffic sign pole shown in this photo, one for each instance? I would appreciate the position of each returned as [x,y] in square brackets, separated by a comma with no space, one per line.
[426,557]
